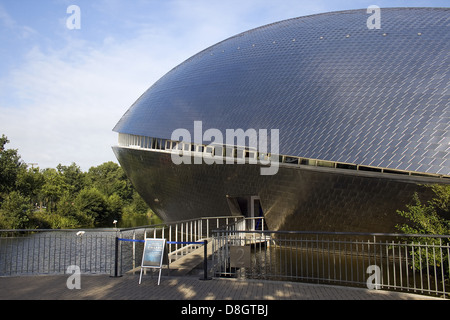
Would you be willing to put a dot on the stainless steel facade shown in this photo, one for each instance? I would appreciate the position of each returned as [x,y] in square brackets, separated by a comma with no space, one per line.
[335,90]
[296,198]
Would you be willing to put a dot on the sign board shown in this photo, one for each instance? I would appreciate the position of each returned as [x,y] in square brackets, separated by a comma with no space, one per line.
[155,255]
[154,252]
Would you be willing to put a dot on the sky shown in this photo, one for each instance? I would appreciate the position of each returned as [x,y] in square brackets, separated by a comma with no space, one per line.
[64,86]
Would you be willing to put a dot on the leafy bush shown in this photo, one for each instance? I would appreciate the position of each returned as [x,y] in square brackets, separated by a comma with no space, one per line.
[65,196]
[430,218]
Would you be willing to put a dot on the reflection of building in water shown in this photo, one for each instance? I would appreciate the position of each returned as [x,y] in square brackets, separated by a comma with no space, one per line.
[363,120]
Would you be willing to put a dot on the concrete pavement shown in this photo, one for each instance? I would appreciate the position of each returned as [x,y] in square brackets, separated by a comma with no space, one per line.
[104,287]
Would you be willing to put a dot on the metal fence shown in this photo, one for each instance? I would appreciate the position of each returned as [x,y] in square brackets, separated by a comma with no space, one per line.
[180,236]
[418,264]
[53,251]
[96,251]
[414,263]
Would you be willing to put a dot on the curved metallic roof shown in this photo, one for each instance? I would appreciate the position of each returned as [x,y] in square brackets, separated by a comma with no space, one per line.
[335,89]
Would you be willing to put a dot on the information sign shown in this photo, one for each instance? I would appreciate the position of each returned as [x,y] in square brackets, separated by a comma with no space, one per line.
[155,255]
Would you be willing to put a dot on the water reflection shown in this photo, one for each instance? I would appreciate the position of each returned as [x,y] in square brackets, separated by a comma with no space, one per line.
[350,263]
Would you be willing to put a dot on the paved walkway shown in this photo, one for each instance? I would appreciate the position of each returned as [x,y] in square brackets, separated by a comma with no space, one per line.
[103,287]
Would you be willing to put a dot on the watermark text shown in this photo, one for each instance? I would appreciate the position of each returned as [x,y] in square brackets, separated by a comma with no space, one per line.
[374,21]
[374,280]
[74,20]
[231,149]
[74,281]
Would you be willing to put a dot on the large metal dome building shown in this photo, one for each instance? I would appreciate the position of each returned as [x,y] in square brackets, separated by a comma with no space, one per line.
[362,117]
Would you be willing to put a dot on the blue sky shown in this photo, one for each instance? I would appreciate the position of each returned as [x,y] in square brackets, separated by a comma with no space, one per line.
[62,90]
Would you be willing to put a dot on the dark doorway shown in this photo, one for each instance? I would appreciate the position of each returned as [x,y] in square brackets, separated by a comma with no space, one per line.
[249,207]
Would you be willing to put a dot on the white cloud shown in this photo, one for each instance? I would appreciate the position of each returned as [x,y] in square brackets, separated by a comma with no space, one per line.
[66,104]
[61,103]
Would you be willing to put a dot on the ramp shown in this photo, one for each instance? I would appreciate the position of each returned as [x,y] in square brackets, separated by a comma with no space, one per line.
[184,264]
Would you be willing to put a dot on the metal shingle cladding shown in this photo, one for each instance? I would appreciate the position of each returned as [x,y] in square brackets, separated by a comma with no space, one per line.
[335,89]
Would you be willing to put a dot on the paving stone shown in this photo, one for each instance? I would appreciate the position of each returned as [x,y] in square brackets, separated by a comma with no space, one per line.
[102,287]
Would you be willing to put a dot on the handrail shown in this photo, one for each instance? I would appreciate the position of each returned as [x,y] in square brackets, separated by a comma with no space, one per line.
[338,233]
[408,262]
[28,251]
[164,225]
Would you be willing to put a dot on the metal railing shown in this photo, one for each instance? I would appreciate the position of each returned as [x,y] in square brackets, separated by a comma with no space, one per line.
[414,263]
[242,248]
[53,251]
[96,251]
[180,236]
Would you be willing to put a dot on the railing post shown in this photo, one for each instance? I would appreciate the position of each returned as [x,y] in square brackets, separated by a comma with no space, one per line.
[134,249]
[205,261]
[116,257]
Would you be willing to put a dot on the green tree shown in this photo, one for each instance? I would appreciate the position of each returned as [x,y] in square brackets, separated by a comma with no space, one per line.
[429,218]
[67,196]
[72,176]
[109,178]
[15,211]
[66,205]
[138,213]
[138,204]
[54,188]
[29,183]
[115,207]
[66,217]
[441,201]
[92,203]
[10,165]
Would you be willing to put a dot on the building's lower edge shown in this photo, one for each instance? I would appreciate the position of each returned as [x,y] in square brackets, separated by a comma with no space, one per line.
[294,198]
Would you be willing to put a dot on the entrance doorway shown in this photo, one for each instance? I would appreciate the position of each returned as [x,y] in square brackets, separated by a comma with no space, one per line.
[249,207]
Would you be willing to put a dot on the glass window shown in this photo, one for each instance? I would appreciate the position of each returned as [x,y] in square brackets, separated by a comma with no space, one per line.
[218,151]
